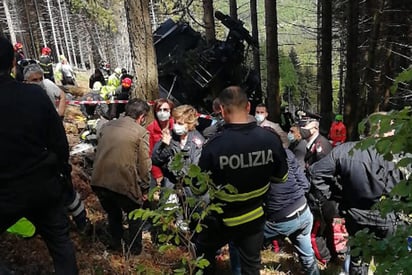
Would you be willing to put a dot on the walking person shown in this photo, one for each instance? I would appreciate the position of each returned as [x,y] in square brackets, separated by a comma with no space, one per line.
[247,157]
[34,164]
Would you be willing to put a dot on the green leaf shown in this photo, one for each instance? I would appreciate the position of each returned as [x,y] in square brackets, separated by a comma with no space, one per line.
[194,170]
[136,214]
[202,263]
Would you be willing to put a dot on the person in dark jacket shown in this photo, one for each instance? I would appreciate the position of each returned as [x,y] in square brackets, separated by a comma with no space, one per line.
[33,164]
[288,214]
[46,63]
[297,144]
[365,178]
[245,156]
[97,77]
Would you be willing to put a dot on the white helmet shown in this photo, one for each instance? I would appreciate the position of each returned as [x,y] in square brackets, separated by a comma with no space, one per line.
[97,86]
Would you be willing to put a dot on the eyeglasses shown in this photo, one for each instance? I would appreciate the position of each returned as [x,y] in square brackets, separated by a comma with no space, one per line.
[26,62]
[164,109]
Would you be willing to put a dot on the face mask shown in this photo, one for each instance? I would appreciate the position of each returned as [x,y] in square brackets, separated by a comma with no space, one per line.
[179,129]
[163,116]
[291,137]
[305,133]
[260,118]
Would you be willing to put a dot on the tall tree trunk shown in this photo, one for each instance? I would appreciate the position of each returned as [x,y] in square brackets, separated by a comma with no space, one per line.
[272,56]
[318,51]
[142,48]
[326,68]
[39,19]
[351,96]
[66,41]
[255,35]
[12,32]
[56,45]
[233,9]
[209,21]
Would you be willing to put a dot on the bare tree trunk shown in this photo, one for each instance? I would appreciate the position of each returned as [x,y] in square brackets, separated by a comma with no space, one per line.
[233,9]
[255,35]
[56,45]
[43,37]
[209,21]
[9,22]
[70,35]
[272,55]
[352,73]
[326,68]
[143,52]
[65,33]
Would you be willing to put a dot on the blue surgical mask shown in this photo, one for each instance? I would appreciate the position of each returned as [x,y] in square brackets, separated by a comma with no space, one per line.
[291,137]
[179,129]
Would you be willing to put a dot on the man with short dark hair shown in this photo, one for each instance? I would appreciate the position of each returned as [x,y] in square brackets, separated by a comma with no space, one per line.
[33,164]
[121,172]
[247,157]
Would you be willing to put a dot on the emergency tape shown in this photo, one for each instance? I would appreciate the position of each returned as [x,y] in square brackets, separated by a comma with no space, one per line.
[86,102]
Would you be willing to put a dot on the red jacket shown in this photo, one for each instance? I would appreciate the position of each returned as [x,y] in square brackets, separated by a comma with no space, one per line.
[337,132]
[155,134]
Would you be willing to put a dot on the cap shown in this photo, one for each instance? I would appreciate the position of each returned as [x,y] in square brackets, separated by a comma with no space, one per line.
[118,70]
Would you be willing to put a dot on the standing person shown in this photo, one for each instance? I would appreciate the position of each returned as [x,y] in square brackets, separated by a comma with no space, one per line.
[297,144]
[121,93]
[19,56]
[365,177]
[33,73]
[46,63]
[184,138]
[217,121]
[163,120]
[263,158]
[34,164]
[288,214]
[317,145]
[97,77]
[121,172]
[66,70]
[337,131]
[261,115]
[286,119]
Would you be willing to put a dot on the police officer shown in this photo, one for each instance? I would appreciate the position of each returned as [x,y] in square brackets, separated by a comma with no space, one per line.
[245,156]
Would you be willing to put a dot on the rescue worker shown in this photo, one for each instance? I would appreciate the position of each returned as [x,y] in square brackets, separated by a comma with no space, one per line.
[46,63]
[247,157]
[34,164]
[19,56]
[121,93]
[97,110]
[337,131]
[365,177]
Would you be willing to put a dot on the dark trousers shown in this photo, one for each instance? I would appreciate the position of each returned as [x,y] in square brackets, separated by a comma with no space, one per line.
[357,220]
[246,238]
[52,224]
[115,204]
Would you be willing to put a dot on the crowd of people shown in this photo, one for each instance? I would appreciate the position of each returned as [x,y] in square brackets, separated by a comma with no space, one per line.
[289,179]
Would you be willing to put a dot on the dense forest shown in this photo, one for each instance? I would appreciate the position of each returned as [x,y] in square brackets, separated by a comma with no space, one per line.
[326,57]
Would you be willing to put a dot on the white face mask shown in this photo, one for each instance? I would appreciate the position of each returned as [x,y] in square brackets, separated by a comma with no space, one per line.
[291,137]
[179,129]
[162,115]
[260,118]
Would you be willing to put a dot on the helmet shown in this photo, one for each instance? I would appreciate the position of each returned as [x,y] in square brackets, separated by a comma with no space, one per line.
[18,46]
[45,51]
[97,86]
[118,71]
[126,82]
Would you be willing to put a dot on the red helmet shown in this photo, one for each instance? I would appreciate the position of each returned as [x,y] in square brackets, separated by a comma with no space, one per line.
[126,82]
[18,46]
[45,51]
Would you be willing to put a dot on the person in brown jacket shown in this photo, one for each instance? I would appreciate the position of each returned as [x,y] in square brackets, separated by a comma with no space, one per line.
[121,172]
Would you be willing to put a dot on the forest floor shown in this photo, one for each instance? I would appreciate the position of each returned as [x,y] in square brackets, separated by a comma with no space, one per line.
[30,256]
